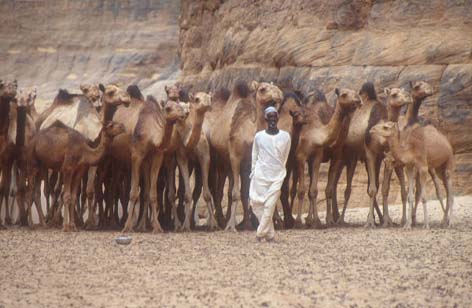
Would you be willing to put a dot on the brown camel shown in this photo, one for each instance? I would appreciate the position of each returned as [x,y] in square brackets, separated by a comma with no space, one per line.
[77,112]
[419,149]
[189,143]
[231,131]
[151,130]
[8,108]
[360,145]
[63,149]
[314,138]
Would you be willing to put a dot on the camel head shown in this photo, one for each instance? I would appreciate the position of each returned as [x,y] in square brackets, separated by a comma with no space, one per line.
[420,89]
[26,98]
[92,92]
[348,100]
[267,94]
[201,101]
[114,95]
[8,89]
[113,129]
[397,97]
[367,92]
[173,92]
[292,103]
[175,111]
[384,129]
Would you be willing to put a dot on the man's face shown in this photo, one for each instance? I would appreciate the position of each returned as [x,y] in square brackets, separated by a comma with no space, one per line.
[272,119]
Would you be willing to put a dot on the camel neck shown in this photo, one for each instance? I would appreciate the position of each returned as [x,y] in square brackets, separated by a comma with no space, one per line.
[96,154]
[394,146]
[108,113]
[393,113]
[334,125]
[4,115]
[413,110]
[196,129]
[261,124]
[168,128]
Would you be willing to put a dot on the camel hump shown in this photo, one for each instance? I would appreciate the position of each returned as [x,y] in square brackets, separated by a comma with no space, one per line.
[377,113]
[221,95]
[369,89]
[152,99]
[241,89]
[314,97]
[134,92]
[290,95]
[243,112]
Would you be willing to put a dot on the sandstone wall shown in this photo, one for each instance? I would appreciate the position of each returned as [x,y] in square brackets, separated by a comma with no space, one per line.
[61,43]
[340,43]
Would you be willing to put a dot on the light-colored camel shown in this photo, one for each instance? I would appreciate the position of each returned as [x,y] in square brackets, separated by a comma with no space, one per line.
[231,131]
[63,149]
[419,149]
[8,91]
[190,143]
[314,138]
[151,134]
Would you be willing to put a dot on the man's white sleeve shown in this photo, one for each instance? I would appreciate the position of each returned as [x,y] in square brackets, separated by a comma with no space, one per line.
[255,153]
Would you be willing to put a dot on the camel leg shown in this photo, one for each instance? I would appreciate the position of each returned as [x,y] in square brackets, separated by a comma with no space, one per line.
[439,195]
[136,161]
[313,192]
[51,183]
[6,179]
[300,192]
[404,194]
[284,199]
[171,191]
[67,200]
[447,181]
[146,177]
[91,222]
[388,170]
[350,169]
[75,187]
[182,162]
[205,169]
[422,179]
[154,174]
[417,199]
[329,185]
[37,202]
[411,182]
[235,192]
[372,188]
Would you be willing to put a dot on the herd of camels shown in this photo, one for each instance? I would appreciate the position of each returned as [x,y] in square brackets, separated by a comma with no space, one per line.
[108,157]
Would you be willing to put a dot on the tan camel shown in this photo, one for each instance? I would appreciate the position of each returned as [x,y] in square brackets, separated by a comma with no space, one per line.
[231,131]
[93,93]
[314,137]
[419,149]
[190,143]
[63,149]
[151,134]
[8,91]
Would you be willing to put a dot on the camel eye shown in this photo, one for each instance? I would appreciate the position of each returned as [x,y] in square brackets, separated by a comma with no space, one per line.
[262,90]
[394,95]
[111,92]
[197,100]
[344,95]
[168,109]
[417,88]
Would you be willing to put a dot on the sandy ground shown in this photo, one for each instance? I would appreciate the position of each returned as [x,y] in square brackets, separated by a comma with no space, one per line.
[349,266]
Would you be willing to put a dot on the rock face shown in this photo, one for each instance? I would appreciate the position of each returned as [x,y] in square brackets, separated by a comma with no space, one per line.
[59,44]
[340,43]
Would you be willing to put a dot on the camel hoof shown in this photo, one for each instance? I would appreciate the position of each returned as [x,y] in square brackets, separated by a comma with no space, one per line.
[426,227]
[157,229]
[388,223]
[127,229]
[309,221]
[8,221]
[298,224]
[2,227]
[67,228]
[90,225]
[231,228]
[330,222]
[370,225]
[317,224]
[407,226]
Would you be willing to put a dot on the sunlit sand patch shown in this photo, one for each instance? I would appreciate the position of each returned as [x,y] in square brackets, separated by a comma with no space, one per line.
[14,51]
[71,77]
[127,74]
[124,50]
[46,50]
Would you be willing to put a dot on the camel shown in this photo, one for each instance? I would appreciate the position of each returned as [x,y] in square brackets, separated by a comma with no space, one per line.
[420,90]
[420,149]
[63,149]
[314,137]
[77,112]
[190,143]
[151,128]
[8,108]
[231,131]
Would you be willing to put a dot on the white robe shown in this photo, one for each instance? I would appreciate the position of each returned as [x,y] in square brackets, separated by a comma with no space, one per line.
[269,156]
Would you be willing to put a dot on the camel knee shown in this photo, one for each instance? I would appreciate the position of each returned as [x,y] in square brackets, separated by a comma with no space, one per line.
[329,192]
[312,194]
[372,190]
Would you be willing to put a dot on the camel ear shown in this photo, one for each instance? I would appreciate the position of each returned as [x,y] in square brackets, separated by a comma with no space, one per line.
[336,91]
[210,93]
[387,91]
[15,82]
[254,85]
[101,87]
[411,84]
[191,97]
[390,124]
[166,88]
[84,88]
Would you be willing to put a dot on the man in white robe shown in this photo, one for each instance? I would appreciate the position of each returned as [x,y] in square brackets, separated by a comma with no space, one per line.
[270,151]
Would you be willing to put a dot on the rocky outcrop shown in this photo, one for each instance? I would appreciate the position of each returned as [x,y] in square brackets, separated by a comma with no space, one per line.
[59,44]
[340,43]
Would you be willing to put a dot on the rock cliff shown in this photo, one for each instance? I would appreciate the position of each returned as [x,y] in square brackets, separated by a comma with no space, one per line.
[340,43]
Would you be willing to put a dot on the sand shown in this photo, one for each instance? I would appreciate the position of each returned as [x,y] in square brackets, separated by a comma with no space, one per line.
[342,267]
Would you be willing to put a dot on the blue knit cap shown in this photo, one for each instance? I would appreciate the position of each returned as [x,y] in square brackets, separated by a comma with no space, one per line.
[268,110]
